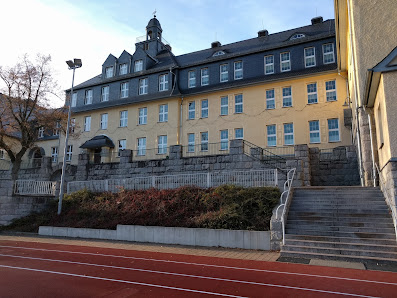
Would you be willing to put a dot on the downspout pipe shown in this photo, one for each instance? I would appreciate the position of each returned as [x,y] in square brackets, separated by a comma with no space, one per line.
[180,123]
[372,149]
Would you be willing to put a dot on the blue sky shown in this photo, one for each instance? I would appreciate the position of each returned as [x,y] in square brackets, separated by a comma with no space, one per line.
[92,29]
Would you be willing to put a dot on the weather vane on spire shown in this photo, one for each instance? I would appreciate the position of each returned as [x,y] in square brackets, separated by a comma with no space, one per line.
[154,13]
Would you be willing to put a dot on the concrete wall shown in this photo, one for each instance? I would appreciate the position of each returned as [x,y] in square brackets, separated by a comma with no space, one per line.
[170,235]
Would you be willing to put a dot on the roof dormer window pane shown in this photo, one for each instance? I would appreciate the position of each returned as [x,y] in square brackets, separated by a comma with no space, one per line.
[88,97]
[285,61]
[109,72]
[205,77]
[138,65]
[310,57]
[123,69]
[218,53]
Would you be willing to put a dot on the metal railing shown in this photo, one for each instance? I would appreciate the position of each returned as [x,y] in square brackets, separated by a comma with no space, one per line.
[285,151]
[32,187]
[264,155]
[286,196]
[58,159]
[103,157]
[257,178]
[389,201]
[205,149]
[337,153]
[149,154]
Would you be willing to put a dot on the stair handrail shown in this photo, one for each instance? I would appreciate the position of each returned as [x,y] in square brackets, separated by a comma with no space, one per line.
[388,199]
[285,194]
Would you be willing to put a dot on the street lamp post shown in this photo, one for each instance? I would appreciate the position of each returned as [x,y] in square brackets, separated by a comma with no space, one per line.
[76,63]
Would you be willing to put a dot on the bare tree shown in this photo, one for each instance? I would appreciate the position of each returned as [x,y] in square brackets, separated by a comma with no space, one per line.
[24,106]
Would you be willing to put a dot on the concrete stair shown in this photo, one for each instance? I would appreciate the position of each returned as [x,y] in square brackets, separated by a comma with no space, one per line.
[339,223]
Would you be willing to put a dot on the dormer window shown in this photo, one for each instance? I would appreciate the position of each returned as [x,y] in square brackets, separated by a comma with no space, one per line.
[297,36]
[123,69]
[109,72]
[218,53]
[138,65]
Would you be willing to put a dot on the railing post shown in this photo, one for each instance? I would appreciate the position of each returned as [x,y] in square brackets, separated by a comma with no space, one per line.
[154,181]
[276,177]
[208,179]
[106,185]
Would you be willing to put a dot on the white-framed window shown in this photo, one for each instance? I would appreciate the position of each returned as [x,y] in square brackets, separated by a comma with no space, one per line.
[333,130]
[88,97]
[310,57]
[104,121]
[224,72]
[238,70]
[328,53]
[123,118]
[239,133]
[162,145]
[138,65]
[287,97]
[218,53]
[105,93]
[330,90]
[314,131]
[54,154]
[87,123]
[285,59]
[204,141]
[142,119]
[205,77]
[163,113]
[192,79]
[74,99]
[224,139]
[190,142]
[270,101]
[141,146]
[204,108]
[57,128]
[122,146]
[312,93]
[72,125]
[271,135]
[69,153]
[192,110]
[288,133]
[238,103]
[124,90]
[41,132]
[297,36]
[224,105]
[269,64]
[123,69]
[109,72]
[163,82]
[143,86]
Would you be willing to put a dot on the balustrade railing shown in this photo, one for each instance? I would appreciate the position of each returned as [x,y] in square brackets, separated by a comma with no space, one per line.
[32,187]
[205,149]
[148,154]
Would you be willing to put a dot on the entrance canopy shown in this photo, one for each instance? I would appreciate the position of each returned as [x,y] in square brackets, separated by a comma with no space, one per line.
[98,142]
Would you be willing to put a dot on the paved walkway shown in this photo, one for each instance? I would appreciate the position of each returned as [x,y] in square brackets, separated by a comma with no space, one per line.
[232,253]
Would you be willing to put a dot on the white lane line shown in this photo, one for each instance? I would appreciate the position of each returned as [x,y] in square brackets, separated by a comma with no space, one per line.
[206,265]
[183,289]
[121,281]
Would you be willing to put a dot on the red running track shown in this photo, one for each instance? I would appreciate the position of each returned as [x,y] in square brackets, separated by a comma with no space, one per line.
[30,269]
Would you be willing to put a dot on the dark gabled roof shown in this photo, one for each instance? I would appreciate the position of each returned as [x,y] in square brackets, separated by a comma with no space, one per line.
[389,63]
[98,142]
[154,23]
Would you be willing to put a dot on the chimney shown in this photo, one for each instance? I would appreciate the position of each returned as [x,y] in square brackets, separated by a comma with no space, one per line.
[215,44]
[168,47]
[317,20]
[263,33]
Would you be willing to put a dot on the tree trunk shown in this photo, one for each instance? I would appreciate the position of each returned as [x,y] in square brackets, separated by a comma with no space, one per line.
[16,166]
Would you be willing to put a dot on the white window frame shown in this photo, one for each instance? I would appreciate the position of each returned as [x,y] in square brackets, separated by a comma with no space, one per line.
[269,64]
[41,132]
[143,86]
[74,99]
[326,54]
[224,105]
[287,98]
[205,76]
[238,104]
[105,93]
[204,141]
[163,82]
[191,110]
[271,137]
[314,132]
[310,60]
[122,146]
[224,73]
[287,134]
[109,72]
[238,72]
[224,136]
[142,116]
[192,79]
[104,121]
[333,129]
[69,153]
[88,97]
[311,93]
[54,154]
[123,68]
[270,99]
[239,133]
[141,146]
[330,93]
[163,113]
[285,62]
[87,123]
[162,144]
[138,65]
[204,108]
[124,90]
[124,118]
[191,142]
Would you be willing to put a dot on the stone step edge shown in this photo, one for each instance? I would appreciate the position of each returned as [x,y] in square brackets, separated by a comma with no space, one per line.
[335,237]
[314,230]
[301,221]
[343,243]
